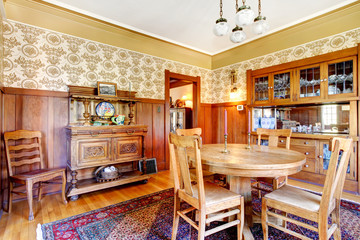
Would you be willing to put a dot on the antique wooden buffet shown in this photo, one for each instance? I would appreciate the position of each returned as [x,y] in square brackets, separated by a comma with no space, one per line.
[90,147]
[318,98]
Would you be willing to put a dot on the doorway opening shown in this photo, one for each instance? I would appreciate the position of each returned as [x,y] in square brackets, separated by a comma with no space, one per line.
[176,80]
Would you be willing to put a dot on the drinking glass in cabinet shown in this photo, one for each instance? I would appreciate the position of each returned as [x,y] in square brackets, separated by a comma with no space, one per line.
[282,86]
[310,82]
[340,77]
[261,88]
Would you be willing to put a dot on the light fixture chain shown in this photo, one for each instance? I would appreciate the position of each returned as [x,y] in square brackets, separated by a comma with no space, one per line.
[243,1]
[221,11]
[259,7]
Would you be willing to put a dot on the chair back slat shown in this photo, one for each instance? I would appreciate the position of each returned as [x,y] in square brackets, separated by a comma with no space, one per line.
[274,135]
[336,173]
[22,147]
[25,162]
[179,145]
[189,132]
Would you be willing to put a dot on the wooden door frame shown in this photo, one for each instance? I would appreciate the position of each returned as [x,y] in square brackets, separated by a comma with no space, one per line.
[196,104]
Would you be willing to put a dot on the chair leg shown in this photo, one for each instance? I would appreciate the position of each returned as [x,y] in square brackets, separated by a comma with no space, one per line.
[264,219]
[176,217]
[202,219]
[29,190]
[240,216]
[10,196]
[259,191]
[39,191]
[323,227]
[275,183]
[63,176]
[335,216]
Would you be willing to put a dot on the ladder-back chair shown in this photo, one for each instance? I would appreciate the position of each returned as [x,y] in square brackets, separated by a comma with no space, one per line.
[273,141]
[204,197]
[25,166]
[308,205]
[195,132]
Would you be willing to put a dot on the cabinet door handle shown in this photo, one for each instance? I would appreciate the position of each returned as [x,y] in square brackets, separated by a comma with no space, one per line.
[320,156]
[306,165]
[93,134]
[130,132]
[281,141]
[306,153]
[306,143]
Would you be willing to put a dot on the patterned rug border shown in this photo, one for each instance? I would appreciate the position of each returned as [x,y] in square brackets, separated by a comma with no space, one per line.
[127,206]
[40,230]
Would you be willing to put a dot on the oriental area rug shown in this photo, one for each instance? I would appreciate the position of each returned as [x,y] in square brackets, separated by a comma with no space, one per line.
[150,217]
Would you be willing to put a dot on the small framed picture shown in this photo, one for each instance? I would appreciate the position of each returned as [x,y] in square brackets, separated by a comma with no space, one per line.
[107,89]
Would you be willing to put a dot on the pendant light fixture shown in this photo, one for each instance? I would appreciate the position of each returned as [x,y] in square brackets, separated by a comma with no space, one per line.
[244,16]
[237,35]
[221,27]
[260,24]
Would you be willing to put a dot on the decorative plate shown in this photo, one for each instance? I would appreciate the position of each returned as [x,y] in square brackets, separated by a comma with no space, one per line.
[105,109]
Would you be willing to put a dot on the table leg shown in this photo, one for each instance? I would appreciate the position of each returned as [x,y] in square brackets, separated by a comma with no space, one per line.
[242,185]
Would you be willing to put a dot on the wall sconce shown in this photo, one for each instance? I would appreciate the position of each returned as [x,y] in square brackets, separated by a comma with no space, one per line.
[233,82]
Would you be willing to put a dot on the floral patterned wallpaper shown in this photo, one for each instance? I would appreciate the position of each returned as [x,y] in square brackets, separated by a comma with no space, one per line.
[42,59]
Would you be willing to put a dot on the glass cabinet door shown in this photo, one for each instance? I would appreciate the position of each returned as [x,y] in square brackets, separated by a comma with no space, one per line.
[310,82]
[261,88]
[282,86]
[325,155]
[340,77]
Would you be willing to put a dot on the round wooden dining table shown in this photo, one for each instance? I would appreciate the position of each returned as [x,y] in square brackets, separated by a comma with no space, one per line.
[241,164]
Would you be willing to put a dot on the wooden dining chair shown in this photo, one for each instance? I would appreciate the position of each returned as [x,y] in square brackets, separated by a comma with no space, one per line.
[204,197]
[273,141]
[209,176]
[308,205]
[26,167]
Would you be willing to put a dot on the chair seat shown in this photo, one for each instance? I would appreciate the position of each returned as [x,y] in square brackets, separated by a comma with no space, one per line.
[215,194]
[296,197]
[37,173]
[206,174]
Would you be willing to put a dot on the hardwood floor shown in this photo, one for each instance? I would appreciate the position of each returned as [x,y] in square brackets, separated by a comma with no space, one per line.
[50,208]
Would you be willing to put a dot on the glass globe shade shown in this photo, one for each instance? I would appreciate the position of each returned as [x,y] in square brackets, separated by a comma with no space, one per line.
[237,36]
[260,26]
[221,28]
[244,16]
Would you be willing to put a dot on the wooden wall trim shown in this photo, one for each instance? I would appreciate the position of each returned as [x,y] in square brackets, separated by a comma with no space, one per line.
[34,92]
[150,100]
[228,104]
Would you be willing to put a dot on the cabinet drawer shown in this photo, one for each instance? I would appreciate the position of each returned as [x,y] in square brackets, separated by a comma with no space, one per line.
[310,165]
[94,152]
[308,151]
[130,147]
[303,142]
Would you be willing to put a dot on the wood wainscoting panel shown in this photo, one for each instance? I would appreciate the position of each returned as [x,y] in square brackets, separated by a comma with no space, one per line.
[159,138]
[144,115]
[236,123]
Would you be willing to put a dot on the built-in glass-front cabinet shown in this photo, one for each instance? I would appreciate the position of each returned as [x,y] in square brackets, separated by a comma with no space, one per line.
[324,80]
[327,80]
[318,99]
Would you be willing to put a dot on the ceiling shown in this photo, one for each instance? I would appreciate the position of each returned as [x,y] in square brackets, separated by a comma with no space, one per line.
[189,23]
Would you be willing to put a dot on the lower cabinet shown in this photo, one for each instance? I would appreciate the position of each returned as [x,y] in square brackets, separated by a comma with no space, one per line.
[318,154]
[95,146]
